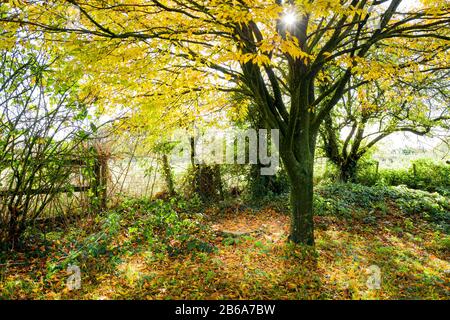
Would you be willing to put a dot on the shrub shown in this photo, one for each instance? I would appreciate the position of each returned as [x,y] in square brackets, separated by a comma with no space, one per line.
[366,172]
[169,226]
[424,174]
[42,128]
[344,199]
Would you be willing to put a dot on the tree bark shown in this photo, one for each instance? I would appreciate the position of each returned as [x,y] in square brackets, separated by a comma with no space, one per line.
[218,181]
[347,170]
[300,170]
[167,172]
[301,200]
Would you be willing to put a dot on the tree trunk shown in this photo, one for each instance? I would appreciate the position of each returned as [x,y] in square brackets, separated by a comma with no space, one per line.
[218,181]
[15,228]
[167,172]
[301,199]
[300,170]
[260,185]
[347,171]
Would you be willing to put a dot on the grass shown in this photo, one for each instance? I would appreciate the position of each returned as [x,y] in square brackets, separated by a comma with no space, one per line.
[144,250]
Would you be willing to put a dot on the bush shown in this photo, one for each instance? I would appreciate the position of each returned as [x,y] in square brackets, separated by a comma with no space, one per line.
[396,177]
[424,174]
[344,199]
[366,172]
[204,181]
[43,127]
[168,226]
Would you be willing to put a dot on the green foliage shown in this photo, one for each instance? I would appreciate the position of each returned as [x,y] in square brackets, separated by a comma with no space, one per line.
[191,204]
[423,174]
[347,200]
[267,186]
[366,171]
[395,177]
[14,287]
[167,226]
[328,174]
[204,182]
[229,241]
[43,127]
[444,243]
[161,227]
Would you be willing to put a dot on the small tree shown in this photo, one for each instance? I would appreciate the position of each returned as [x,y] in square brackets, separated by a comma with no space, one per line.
[40,132]
[163,149]
[373,112]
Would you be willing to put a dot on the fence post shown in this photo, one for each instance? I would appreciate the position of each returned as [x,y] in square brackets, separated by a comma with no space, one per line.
[95,186]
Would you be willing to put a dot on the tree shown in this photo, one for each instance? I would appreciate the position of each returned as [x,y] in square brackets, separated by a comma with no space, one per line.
[42,128]
[376,110]
[248,46]
[162,149]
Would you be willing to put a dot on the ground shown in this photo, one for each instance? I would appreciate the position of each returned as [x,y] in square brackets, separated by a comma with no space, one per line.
[250,260]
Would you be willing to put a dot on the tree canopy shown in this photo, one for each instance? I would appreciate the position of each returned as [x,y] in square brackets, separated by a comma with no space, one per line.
[294,59]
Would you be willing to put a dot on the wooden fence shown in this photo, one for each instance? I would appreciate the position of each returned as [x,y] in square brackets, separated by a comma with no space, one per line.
[98,181]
